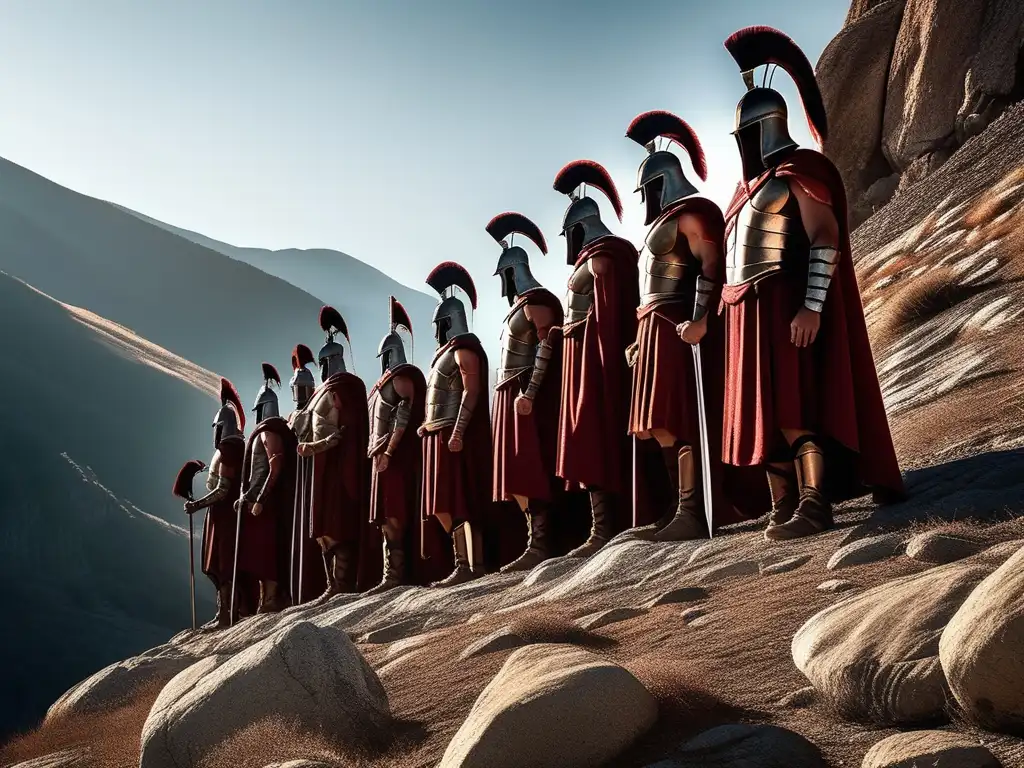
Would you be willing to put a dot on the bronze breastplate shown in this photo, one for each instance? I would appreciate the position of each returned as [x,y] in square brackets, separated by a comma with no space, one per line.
[385,405]
[768,235]
[518,346]
[579,299]
[444,392]
[670,269]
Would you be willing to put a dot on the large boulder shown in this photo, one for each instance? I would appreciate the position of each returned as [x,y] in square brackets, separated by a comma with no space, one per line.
[304,674]
[750,746]
[982,649]
[875,654]
[935,749]
[553,706]
[116,683]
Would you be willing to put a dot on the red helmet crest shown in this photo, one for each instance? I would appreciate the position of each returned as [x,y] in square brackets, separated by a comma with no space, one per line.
[591,173]
[647,127]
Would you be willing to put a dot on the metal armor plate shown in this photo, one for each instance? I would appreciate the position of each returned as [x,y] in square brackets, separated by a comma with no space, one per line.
[323,417]
[768,235]
[518,345]
[670,268]
[385,406]
[259,466]
[444,392]
[579,299]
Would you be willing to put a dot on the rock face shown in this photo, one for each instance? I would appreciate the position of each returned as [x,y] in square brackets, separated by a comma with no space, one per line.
[937,749]
[552,707]
[906,82]
[303,673]
[752,746]
[938,547]
[875,655]
[982,649]
[867,550]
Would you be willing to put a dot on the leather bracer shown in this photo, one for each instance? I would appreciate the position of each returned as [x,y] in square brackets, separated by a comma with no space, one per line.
[324,443]
[465,414]
[540,369]
[705,290]
[401,422]
[821,267]
[219,491]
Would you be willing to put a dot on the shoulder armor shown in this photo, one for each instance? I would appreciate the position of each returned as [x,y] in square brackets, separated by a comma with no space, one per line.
[772,196]
[662,237]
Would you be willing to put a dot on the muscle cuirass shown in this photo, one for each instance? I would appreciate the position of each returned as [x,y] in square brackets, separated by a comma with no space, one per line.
[444,392]
[518,345]
[768,235]
[579,299]
[385,406]
[670,271]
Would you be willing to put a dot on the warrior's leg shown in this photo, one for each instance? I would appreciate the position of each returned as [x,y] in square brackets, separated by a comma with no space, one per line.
[688,522]
[223,607]
[670,454]
[469,555]
[394,556]
[784,484]
[601,511]
[327,549]
[270,598]
[537,551]
[814,512]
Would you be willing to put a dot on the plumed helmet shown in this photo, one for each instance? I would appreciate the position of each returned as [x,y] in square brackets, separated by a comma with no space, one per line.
[660,180]
[302,382]
[331,357]
[582,223]
[230,419]
[266,401]
[392,349]
[450,315]
[514,263]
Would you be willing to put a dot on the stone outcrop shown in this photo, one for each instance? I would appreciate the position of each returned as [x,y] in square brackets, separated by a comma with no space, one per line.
[936,749]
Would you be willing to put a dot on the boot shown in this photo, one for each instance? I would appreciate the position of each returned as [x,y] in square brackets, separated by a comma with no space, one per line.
[271,599]
[332,585]
[601,529]
[468,547]
[344,569]
[394,568]
[537,543]
[688,521]
[783,482]
[223,619]
[813,512]
[671,456]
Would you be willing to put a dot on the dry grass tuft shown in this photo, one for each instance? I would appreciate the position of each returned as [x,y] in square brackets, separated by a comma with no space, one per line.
[553,627]
[110,739]
[273,740]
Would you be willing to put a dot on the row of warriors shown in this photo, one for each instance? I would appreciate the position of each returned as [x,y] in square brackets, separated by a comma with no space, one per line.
[723,374]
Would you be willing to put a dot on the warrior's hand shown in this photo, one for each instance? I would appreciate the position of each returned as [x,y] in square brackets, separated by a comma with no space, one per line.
[693,331]
[804,328]
[240,506]
[632,352]
[304,449]
[381,460]
[524,405]
[455,444]
[256,509]
[190,507]
[421,432]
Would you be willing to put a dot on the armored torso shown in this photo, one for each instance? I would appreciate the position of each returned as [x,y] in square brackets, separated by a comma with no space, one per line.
[518,345]
[384,409]
[579,299]
[671,269]
[259,464]
[444,391]
[318,420]
[767,237]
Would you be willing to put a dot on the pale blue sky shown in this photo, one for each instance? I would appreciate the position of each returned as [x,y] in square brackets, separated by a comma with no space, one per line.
[389,129]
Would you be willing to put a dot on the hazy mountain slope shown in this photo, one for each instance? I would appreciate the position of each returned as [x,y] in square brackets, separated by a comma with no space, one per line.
[330,275]
[94,431]
[222,314]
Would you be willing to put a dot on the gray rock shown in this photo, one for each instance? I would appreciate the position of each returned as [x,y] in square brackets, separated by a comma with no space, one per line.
[935,749]
[499,640]
[729,571]
[868,550]
[784,566]
[692,614]
[393,632]
[612,616]
[701,621]
[307,674]
[799,699]
[939,548]
[836,585]
[750,746]
[682,595]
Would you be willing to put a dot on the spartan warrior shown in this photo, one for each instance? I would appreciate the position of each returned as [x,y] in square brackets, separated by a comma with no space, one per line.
[457,461]
[681,281]
[334,434]
[223,483]
[396,401]
[526,393]
[306,580]
[268,477]
[600,322]
[802,394]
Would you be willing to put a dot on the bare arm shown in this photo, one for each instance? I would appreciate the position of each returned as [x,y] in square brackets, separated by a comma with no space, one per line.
[406,391]
[708,253]
[823,231]
[275,458]
[543,318]
[218,482]
[330,425]
[600,265]
[469,368]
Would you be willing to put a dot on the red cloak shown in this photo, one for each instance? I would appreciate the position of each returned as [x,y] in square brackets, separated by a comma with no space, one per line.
[395,492]
[340,501]
[307,550]
[265,541]
[664,394]
[830,388]
[594,448]
[219,526]
[526,447]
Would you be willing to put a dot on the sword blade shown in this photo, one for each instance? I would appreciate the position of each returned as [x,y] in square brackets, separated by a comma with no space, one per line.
[234,567]
[192,568]
[702,420]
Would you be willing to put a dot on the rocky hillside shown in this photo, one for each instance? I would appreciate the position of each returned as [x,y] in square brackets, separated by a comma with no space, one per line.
[97,422]
[908,82]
